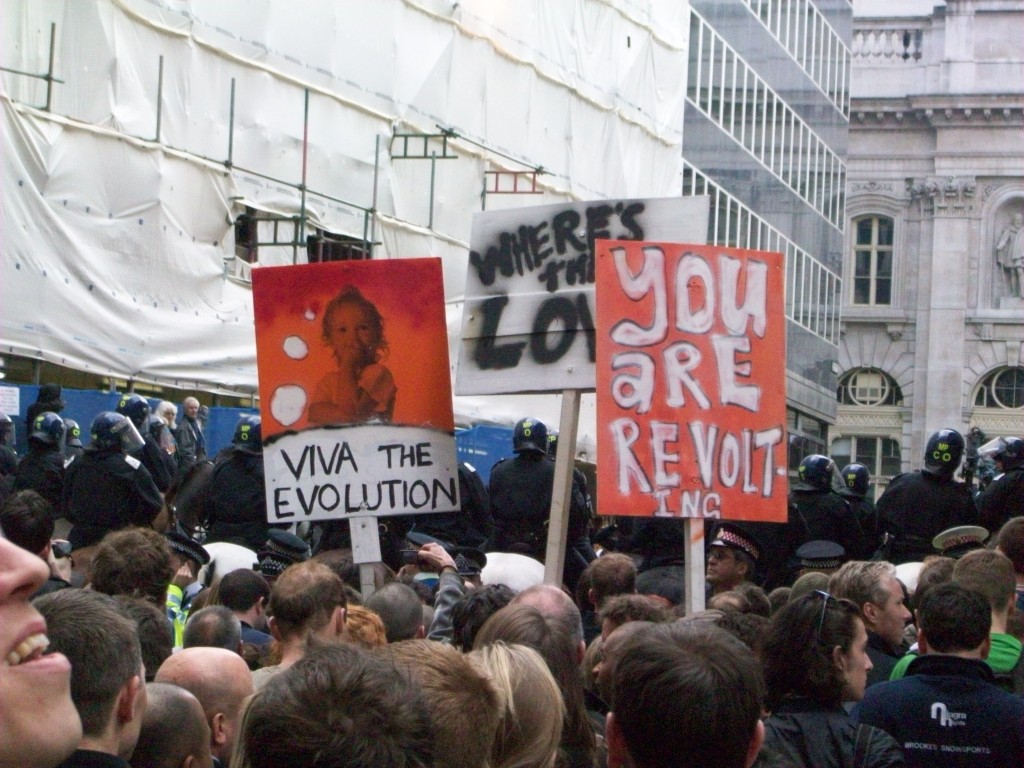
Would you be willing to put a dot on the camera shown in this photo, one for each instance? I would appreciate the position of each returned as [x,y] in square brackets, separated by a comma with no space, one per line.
[410,556]
[61,548]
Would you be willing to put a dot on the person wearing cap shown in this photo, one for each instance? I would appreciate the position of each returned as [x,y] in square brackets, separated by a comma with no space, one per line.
[820,556]
[187,557]
[236,499]
[1003,498]
[957,541]
[827,516]
[732,558]
[520,496]
[48,399]
[280,550]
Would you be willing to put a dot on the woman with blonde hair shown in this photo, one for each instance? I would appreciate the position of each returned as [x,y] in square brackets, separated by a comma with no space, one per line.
[531,723]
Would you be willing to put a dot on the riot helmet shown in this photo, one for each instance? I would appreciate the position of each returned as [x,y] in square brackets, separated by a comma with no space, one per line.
[552,444]
[136,408]
[73,435]
[943,452]
[48,428]
[114,432]
[7,436]
[818,473]
[530,435]
[856,478]
[1008,451]
[248,437]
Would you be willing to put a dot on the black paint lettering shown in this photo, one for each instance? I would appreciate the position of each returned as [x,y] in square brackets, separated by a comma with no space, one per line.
[488,354]
[549,276]
[587,325]
[563,226]
[539,243]
[280,502]
[628,218]
[296,471]
[423,455]
[449,492]
[307,506]
[423,498]
[553,309]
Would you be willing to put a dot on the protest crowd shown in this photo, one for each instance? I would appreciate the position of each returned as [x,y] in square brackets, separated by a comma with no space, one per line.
[173,626]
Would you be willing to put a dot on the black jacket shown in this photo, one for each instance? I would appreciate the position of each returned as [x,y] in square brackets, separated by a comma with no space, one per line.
[812,737]
[947,711]
[828,517]
[236,499]
[916,507]
[884,658]
[42,471]
[105,491]
[1001,500]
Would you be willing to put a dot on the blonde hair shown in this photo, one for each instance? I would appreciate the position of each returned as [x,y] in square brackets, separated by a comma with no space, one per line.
[531,722]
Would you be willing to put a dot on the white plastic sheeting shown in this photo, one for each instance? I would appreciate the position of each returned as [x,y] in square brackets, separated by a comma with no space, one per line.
[114,243]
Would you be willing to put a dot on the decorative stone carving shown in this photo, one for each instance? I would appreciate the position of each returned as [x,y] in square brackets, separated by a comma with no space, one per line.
[948,196]
[882,187]
[1010,255]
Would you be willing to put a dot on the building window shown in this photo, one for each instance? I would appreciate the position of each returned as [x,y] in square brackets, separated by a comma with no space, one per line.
[324,246]
[869,387]
[881,455]
[1002,389]
[872,261]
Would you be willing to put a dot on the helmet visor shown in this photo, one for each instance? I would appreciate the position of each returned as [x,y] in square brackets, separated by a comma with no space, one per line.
[992,448]
[131,440]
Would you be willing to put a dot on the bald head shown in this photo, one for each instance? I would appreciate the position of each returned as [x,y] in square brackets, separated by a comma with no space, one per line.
[175,733]
[553,603]
[221,680]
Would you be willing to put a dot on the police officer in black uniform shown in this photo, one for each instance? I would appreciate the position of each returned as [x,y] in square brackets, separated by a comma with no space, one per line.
[824,513]
[42,468]
[105,489]
[472,525]
[72,440]
[917,506]
[520,494]
[236,499]
[857,480]
[137,409]
[1003,498]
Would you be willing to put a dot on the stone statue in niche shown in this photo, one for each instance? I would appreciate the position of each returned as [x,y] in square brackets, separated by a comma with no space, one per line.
[1010,256]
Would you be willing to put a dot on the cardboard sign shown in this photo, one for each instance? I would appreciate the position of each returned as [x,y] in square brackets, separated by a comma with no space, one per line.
[690,382]
[528,320]
[355,389]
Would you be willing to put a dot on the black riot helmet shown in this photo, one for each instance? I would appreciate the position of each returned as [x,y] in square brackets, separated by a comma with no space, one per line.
[817,473]
[48,428]
[856,478]
[136,408]
[552,444]
[531,436]
[112,431]
[248,436]
[1008,451]
[74,433]
[943,452]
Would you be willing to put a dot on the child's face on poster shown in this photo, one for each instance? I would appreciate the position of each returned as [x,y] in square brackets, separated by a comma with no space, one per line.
[350,335]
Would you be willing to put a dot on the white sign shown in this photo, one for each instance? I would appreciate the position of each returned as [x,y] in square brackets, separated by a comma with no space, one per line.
[367,470]
[10,400]
[528,319]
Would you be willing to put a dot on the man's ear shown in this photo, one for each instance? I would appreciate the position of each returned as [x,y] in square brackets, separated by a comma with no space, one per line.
[756,742]
[592,597]
[869,611]
[128,700]
[618,755]
[922,642]
[218,733]
[339,621]
[274,631]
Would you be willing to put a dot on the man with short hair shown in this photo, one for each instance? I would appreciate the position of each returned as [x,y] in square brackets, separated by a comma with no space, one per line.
[625,608]
[245,593]
[401,610]
[1010,541]
[947,711]
[175,733]
[189,435]
[27,520]
[732,558]
[107,676]
[222,682]
[307,601]
[684,695]
[878,595]
[213,627]
[133,561]
[465,706]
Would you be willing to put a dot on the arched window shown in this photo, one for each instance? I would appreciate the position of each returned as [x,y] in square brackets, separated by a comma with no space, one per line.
[872,260]
[869,387]
[1003,388]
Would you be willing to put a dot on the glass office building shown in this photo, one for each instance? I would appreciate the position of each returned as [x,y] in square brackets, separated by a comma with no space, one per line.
[765,134]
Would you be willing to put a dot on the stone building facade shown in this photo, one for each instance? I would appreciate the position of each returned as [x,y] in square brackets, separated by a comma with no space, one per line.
[932,331]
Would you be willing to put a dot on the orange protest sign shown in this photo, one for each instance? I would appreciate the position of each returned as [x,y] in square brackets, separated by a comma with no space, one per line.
[690,381]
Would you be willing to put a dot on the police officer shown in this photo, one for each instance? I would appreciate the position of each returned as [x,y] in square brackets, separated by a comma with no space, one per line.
[1003,498]
[520,494]
[824,513]
[105,489]
[236,501]
[42,468]
[471,526]
[917,506]
[856,482]
[137,409]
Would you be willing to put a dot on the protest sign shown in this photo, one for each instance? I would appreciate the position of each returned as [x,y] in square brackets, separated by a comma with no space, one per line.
[690,382]
[355,390]
[528,319]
